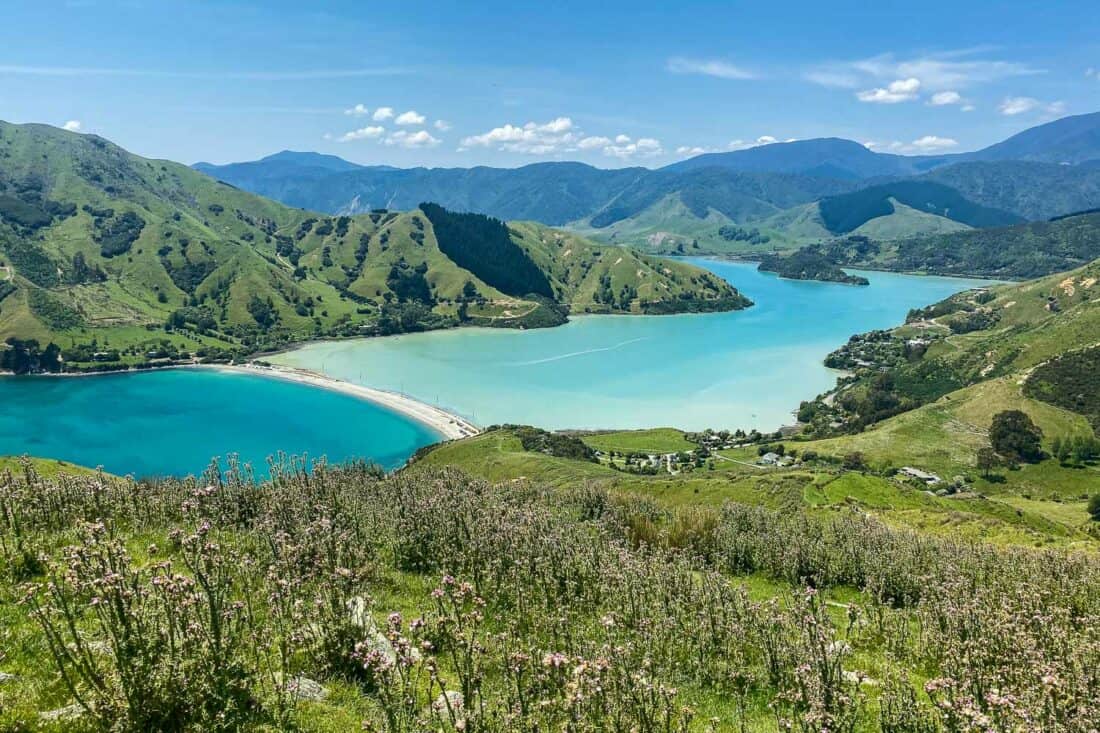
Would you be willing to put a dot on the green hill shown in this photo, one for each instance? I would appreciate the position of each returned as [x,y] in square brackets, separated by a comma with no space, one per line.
[1015,253]
[122,260]
[846,212]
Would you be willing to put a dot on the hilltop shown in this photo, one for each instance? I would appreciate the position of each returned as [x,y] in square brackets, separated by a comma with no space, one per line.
[786,193]
[121,260]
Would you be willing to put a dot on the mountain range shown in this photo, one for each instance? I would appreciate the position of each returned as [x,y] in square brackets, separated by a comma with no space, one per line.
[773,193]
[119,259]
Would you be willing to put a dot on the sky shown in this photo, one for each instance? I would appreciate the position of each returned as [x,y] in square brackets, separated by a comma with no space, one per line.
[609,83]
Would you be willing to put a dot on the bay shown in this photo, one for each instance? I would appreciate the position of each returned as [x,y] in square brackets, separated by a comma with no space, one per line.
[744,369]
[173,422]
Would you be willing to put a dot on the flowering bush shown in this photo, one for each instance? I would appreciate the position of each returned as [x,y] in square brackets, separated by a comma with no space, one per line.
[446,603]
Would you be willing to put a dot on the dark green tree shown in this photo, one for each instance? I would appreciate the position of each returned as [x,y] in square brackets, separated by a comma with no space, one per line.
[1015,436]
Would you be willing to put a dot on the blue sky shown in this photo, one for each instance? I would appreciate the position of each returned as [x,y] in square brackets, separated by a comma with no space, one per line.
[508,83]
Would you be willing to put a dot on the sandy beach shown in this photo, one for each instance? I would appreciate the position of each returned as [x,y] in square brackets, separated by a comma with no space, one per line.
[451,427]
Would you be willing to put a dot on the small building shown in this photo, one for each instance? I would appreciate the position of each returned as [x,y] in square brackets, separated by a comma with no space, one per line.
[769,459]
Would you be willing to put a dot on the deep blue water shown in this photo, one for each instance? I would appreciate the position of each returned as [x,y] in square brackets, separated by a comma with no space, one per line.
[172,422]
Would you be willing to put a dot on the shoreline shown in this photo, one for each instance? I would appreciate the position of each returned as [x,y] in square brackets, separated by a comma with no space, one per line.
[446,424]
[753,259]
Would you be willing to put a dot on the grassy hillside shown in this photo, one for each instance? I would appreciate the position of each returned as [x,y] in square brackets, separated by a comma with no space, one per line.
[1033,190]
[925,395]
[341,599]
[1017,252]
[845,213]
[940,438]
[122,260]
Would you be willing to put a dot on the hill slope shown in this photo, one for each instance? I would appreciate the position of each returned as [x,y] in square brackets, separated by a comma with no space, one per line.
[1015,252]
[121,259]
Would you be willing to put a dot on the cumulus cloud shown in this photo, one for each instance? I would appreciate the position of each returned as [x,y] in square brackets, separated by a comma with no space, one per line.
[925,144]
[594,142]
[372,132]
[944,99]
[533,138]
[930,143]
[358,110]
[690,150]
[382,114]
[407,139]
[442,125]
[901,90]
[740,144]
[1012,106]
[644,147]
[708,67]
[72,126]
[412,117]
[561,135]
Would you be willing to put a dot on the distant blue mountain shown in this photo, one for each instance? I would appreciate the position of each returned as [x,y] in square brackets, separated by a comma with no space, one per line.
[1017,176]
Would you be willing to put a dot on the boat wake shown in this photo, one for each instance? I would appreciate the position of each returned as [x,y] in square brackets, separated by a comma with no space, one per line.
[573,354]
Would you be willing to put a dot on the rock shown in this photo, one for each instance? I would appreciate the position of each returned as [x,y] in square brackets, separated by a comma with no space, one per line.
[359,614]
[858,678]
[451,698]
[69,712]
[303,688]
[7,677]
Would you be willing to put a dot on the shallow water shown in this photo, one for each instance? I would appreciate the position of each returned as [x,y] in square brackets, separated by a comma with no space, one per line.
[172,422]
[743,369]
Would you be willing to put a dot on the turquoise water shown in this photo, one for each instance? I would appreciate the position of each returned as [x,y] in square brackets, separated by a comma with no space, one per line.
[743,369]
[173,422]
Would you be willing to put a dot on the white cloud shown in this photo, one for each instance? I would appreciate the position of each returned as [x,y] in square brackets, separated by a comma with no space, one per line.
[644,147]
[941,72]
[740,144]
[363,133]
[418,139]
[72,126]
[561,135]
[925,144]
[412,117]
[442,125]
[358,110]
[382,114]
[944,99]
[1012,106]
[709,67]
[686,150]
[930,143]
[533,138]
[901,90]
[1018,105]
[590,143]
[1092,73]
[835,79]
